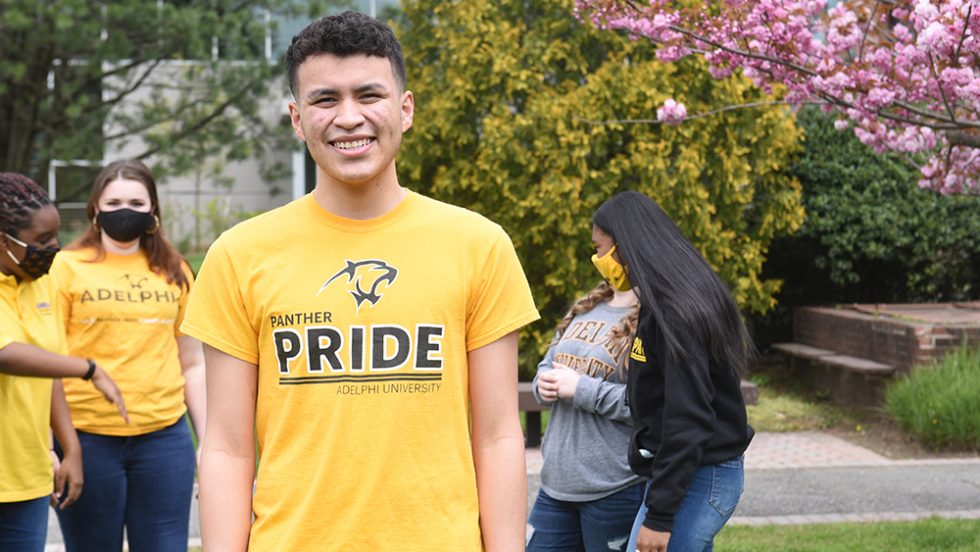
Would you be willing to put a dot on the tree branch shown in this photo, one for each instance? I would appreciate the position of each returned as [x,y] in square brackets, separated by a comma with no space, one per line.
[219,110]
[963,138]
[867,29]
[696,116]
[939,85]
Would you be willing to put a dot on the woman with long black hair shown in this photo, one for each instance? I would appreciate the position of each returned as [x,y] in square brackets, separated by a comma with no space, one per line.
[690,347]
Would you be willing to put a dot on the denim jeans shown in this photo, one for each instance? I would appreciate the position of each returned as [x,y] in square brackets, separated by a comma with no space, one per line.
[602,524]
[710,500]
[24,525]
[143,482]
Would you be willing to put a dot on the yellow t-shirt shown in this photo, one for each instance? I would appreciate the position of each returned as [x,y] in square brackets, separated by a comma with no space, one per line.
[28,314]
[125,317]
[360,330]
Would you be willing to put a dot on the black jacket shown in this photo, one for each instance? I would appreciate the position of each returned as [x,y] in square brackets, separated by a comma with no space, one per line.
[686,413]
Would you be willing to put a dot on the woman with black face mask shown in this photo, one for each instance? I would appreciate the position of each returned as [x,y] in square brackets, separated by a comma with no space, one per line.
[31,344]
[124,288]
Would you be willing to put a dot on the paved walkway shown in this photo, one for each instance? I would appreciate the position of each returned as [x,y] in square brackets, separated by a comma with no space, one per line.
[811,477]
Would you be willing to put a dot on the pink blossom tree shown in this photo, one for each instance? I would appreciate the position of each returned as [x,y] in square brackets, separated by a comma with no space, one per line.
[905,74]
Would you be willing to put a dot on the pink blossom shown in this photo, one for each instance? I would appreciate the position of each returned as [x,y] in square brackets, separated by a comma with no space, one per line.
[671,53]
[672,112]
[936,38]
[880,97]
[920,59]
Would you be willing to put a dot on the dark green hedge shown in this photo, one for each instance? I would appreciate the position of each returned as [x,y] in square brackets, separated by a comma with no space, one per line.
[871,234]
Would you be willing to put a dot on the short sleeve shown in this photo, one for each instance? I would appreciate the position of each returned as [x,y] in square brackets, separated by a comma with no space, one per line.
[216,312]
[500,299]
[184,297]
[60,274]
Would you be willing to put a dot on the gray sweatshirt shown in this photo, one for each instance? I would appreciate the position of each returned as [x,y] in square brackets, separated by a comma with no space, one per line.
[585,446]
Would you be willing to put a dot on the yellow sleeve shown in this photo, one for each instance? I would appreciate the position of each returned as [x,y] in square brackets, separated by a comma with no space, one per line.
[217,308]
[500,300]
[60,274]
[184,295]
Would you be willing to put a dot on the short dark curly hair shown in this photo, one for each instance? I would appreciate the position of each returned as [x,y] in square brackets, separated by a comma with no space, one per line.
[347,34]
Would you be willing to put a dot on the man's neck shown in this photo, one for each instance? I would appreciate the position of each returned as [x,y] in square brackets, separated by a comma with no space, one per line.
[361,201]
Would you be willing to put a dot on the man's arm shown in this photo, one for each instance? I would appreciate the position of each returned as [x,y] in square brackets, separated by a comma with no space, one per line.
[191,355]
[498,445]
[228,453]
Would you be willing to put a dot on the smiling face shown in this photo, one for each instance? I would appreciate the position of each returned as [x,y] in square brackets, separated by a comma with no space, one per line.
[351,113]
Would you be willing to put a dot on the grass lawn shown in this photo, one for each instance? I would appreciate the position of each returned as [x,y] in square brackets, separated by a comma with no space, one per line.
[786,404]
[919,536]
[783,410]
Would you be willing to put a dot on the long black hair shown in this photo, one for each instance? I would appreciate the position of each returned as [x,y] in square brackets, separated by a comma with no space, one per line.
[676,285]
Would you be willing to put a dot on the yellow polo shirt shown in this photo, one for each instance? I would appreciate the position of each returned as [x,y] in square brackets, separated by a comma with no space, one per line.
[28,314]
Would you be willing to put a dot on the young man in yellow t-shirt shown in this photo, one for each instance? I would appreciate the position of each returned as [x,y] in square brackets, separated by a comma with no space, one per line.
[364,336]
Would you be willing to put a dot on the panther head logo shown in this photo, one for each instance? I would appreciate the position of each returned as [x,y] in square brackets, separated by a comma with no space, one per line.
[365,279]
[135,281]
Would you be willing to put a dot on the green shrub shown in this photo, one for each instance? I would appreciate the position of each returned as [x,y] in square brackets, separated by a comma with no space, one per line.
[871,234]
[940,404]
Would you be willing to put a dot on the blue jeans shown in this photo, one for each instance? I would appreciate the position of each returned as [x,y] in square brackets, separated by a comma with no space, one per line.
[602,524]
[24,525]
[710,500]
[143,482]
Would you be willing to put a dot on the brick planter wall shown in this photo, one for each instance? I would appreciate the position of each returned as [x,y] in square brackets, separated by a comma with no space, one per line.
[900,341]
[902,336]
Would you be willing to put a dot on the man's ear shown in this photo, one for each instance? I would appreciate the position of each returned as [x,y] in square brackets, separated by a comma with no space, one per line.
[408,110]
[294,118]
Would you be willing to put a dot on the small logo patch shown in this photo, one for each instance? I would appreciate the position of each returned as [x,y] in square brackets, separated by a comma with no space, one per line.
[637,353]
[135,281]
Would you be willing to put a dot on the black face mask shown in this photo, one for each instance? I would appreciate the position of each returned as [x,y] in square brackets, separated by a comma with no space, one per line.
[37,261]
[125,225]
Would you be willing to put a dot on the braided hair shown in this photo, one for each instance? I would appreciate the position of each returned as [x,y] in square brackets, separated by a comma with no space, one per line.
[20,198]
[601,293]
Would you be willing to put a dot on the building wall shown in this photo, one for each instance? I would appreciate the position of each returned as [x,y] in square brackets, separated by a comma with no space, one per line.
[196,208]
[191,202]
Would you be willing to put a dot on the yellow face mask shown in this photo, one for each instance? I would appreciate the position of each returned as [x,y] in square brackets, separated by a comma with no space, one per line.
[612,271]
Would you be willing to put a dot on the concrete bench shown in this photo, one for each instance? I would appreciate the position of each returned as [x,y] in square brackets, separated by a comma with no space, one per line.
[831,358]
[852,381]
[802,351]
[857,364]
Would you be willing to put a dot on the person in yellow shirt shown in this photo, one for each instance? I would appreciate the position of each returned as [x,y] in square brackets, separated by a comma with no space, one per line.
[123,288]
[31,355]
[363,336]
